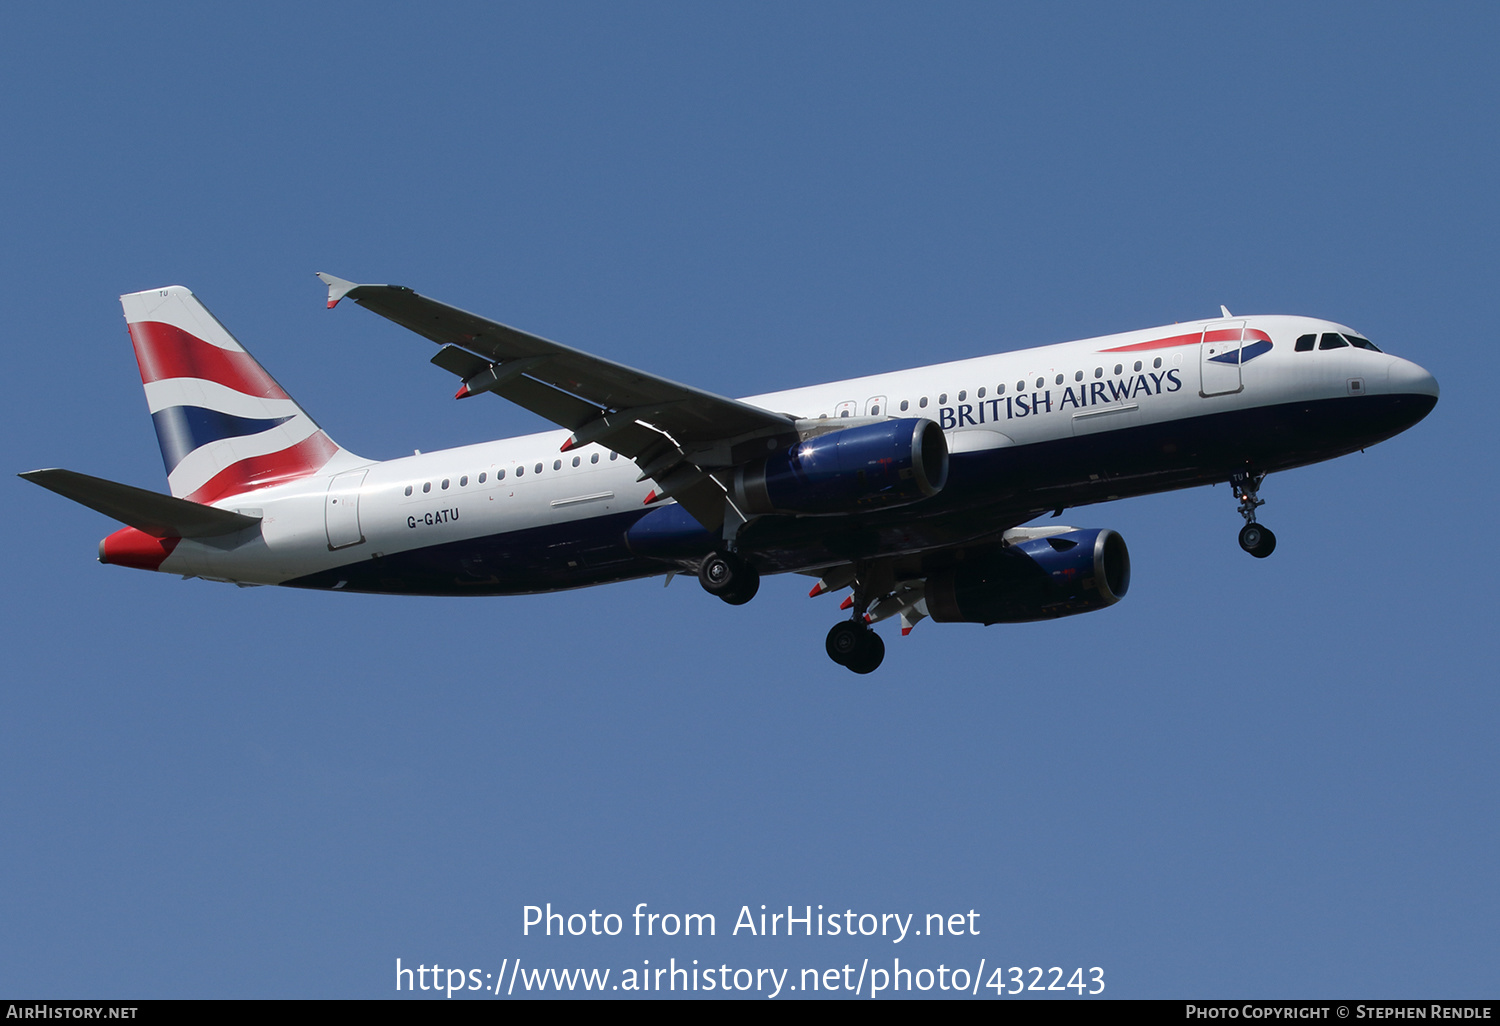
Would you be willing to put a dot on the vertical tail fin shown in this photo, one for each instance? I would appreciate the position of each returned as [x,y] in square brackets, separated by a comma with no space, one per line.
[225,426]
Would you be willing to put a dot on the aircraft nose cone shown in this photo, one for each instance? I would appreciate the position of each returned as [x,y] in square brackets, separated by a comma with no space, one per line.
[1406,378]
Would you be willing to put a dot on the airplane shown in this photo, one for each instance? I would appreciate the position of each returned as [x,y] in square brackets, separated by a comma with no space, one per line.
[910,490]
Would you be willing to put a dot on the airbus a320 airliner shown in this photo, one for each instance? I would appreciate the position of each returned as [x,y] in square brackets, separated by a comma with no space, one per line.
[907,489]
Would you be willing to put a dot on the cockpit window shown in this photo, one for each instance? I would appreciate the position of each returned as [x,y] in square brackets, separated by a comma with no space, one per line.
[1361,343]
[1332,340]
[1306,343]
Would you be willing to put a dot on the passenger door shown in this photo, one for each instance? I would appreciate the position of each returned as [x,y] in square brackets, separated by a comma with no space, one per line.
[1219,358]
[341,510]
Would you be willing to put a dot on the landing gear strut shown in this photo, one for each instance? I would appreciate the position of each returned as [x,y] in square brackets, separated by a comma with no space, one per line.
[726,575]
[1254,538]
[852,644]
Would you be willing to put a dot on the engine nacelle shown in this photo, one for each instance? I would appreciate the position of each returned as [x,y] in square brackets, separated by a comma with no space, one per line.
[1036,579]
[892,463]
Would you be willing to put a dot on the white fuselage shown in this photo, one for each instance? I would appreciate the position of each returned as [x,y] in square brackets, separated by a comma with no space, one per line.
[1015,399]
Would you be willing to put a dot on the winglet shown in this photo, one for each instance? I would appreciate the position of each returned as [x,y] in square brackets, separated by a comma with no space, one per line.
[338,288]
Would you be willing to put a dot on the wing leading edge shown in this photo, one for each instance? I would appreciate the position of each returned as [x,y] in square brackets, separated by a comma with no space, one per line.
[682,437]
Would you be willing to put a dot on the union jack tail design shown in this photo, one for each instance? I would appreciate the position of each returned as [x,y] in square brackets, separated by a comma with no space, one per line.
[225,426]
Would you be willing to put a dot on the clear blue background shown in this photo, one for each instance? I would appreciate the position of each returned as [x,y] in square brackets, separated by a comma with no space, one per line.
[1250,778]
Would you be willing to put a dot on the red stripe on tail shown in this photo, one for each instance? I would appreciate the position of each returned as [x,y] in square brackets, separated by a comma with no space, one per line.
[164,351]
[306,457]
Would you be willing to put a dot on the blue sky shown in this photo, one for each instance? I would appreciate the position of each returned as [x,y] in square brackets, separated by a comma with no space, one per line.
[1257,778]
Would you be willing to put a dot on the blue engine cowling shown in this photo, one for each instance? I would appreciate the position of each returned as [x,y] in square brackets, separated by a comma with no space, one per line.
[891,463]
[1037,579]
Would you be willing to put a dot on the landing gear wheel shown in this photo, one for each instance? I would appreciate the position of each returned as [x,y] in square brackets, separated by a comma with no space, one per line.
[870,655]
[729,577]
[749,584]
[1254,539]
[1257,540]
[843,641]
[855,646]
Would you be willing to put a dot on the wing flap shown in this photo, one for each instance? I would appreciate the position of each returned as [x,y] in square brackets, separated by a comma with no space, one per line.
[459,361]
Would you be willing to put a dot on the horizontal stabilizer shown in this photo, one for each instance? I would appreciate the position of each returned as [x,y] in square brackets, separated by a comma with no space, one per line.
[160,516]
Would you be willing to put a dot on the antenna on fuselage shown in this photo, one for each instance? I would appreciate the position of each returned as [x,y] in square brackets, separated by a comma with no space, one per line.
[1225,310]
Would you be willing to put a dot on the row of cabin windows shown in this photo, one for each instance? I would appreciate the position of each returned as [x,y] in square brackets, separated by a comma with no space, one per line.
[1041,382]
[1334,340]
[463,482]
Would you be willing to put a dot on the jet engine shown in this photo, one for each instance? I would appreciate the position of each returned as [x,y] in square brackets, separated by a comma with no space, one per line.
[891,463]
[1036,579]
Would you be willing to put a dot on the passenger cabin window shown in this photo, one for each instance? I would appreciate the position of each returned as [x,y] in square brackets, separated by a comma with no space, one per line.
[922,402]
[463,482]
[1119,368]
[577,460]
[1000,389]
[426,486]
[537,469]
[1078,375]
[557,464]
[875,410]
[520,471]
[594,458]
[500,474]
[1059,379]
[1040,382]
[1332,340]
[943,399]
[1156,362]
[408,489]
[981,391]
[1305,343]
[614,455]
[482,477]
[963,395]
[905,405]
[445,482]
[1098,372]
[1138,366]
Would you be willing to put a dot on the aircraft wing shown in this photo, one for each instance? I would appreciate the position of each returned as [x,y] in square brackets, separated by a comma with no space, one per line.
[678,435]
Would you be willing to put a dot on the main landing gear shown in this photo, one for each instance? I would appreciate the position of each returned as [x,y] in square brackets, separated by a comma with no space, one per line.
[726,575]
[1254,538]
[851,643]
[854,645]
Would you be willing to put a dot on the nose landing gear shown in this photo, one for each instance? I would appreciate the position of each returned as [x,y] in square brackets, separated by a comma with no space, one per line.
[1255,539]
